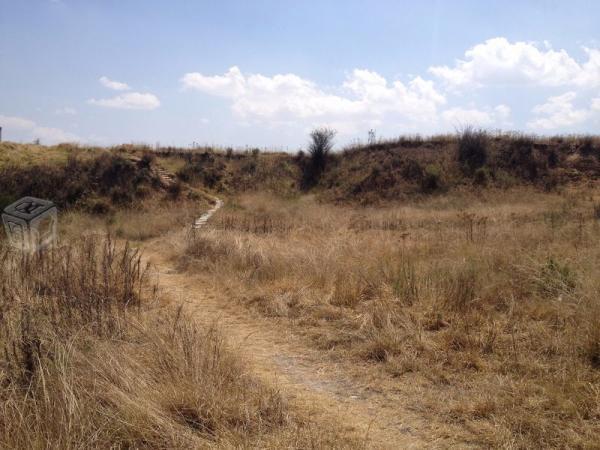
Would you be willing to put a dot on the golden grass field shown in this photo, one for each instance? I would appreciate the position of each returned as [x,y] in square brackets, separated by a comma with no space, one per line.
[482,309]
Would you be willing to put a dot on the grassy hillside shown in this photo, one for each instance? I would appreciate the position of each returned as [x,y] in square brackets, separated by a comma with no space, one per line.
[387,171]
[401,168]
[396,169]
[94,180]
[22,155]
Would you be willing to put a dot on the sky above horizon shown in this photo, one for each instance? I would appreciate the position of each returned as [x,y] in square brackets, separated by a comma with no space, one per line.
[264,73]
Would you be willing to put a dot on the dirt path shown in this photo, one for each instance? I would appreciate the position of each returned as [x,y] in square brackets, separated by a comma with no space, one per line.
[305,376]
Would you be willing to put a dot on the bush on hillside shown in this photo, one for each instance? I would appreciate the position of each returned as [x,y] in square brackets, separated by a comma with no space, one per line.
[472,149]
[518,157]
[319,148]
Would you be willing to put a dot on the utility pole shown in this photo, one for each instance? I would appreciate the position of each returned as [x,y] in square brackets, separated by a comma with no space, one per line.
[372,138]
[0,134]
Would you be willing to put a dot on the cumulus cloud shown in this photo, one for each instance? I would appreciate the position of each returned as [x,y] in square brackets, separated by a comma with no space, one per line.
[231,84]
[457,116]
[558,112]
[365,97]
[32,130]
[500,62]
[131,100]
[114,85]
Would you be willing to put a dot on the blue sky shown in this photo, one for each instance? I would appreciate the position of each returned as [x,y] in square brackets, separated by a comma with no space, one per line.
[263,73]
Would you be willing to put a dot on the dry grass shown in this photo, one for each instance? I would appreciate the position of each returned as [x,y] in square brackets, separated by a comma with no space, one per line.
[88,361]
[154,219]
[484,309]
[21,155]
[151,218]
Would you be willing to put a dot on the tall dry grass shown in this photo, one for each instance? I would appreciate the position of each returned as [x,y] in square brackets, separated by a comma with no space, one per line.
[88,361]
[486,310]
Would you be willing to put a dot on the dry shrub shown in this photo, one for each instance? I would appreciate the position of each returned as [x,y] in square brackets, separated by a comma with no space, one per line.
[472,149]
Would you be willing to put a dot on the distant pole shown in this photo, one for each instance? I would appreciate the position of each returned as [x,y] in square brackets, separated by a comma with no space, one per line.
[371,137]
[0,134]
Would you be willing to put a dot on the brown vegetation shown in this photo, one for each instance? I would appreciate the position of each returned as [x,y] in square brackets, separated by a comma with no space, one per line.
[472,289]
[484,309]
[90,361]
[94,183]
[398,169]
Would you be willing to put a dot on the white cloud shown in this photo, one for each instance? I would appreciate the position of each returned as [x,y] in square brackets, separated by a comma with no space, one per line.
[131,100]
[457,116]
[67,110]
[364,97]
[114,85]
[230,84]
[500,62]
[591,69]
[558,112]
[29,128]
[16,123]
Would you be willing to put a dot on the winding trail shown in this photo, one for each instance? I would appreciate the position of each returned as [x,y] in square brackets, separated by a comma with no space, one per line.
[308,378]
[201,221]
